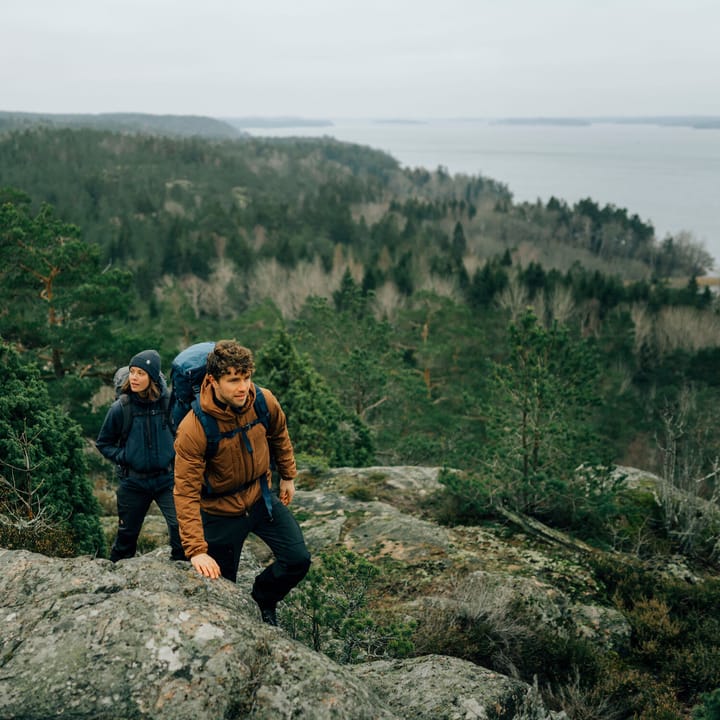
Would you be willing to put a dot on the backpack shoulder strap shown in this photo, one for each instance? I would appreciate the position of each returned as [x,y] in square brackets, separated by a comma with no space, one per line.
[209,426]
[124,401]
[261,408]
[166,401]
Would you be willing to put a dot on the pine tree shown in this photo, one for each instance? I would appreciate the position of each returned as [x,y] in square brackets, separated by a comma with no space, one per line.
[59,304]
[541,427]
[319,426]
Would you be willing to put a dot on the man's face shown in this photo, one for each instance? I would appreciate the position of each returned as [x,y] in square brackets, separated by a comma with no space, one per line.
[232,388]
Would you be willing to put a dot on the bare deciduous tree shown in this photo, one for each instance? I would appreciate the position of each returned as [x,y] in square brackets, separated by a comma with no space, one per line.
[214,295]
[561,305]
[22,495]
[642,320]
[388,300]
[514,297]
[688,494]
[192,286]
[686,327]
[290,288]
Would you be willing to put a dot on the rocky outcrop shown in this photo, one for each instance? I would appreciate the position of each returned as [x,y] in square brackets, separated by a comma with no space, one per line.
[550,580]
[149,638]
[445,688]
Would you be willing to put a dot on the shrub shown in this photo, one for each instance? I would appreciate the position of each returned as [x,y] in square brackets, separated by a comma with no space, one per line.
[709,708]
[329,612]
[44,488]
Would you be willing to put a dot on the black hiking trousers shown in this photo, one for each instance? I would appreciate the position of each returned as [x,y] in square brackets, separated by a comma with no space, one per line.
[133,502]
[225,537]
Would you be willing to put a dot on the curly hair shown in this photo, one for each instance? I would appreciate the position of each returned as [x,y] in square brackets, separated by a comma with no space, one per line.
[229,355]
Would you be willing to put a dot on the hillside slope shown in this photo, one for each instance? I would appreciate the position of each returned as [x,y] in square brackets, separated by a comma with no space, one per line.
[170,125]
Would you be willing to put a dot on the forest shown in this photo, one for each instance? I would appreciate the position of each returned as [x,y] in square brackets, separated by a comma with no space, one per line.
[405,316]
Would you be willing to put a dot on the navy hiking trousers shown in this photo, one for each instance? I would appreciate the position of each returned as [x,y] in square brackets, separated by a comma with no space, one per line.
[225,537]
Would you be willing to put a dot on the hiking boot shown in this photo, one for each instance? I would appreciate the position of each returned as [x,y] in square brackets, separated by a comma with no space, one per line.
[267,612]
[269,616]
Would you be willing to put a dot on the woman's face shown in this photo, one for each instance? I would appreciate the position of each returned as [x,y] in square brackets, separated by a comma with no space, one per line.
[139,379]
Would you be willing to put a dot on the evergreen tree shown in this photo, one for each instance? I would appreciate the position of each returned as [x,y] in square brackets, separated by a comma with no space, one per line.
[330,612]
[318,424]
[46,500]
[540,425]
[349,347]
[59,303]
[431,414]
[487,282]
[459,243]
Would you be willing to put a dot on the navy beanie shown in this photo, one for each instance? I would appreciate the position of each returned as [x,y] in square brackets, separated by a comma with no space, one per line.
[149,361]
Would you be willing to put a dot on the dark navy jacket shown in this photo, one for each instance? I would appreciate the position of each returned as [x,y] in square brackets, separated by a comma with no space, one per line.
[147,456]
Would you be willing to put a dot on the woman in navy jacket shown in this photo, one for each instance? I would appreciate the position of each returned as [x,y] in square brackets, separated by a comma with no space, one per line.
[143,454]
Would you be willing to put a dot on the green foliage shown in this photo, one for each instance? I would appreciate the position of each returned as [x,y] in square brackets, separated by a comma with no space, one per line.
[318,424]
[60,300]
[709,708]
[466,501]
[329,612]
[432,414]
[315,464]
[60,304]
[540,423]
[676,635]
[43,485]
[348,346]
[487,282]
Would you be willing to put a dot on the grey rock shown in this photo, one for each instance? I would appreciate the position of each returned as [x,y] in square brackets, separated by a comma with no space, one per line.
[435,687]
[396,535]
[377,528]
[419,480]
[148,638]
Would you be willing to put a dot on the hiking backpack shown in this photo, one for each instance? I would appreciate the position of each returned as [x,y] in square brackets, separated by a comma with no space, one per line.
[121,375]
[187,372]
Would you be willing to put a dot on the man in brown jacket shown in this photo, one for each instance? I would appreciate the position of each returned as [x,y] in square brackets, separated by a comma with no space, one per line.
[219,500]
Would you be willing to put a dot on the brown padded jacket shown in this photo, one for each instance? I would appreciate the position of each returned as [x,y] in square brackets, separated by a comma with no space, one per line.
[232,467]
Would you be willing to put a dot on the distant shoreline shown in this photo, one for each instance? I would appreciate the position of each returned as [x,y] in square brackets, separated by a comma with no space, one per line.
[242,123]
[699,122]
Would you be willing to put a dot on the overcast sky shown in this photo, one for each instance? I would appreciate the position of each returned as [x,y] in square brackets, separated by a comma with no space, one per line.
[367,58]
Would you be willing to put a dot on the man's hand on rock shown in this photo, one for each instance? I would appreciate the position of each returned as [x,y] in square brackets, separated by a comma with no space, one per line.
[205,565]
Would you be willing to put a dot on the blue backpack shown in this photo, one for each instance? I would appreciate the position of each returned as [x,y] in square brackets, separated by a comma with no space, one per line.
[186,375]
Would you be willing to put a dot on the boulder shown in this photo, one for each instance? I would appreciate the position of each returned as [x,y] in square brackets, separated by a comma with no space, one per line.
[436,687]
[150,638]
